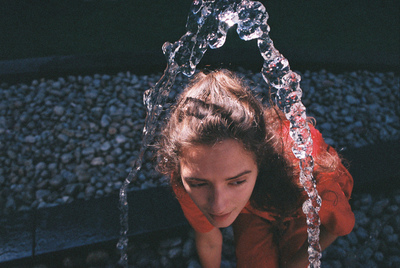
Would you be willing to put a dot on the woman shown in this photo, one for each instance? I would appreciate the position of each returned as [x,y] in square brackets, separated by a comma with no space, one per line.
[230,162]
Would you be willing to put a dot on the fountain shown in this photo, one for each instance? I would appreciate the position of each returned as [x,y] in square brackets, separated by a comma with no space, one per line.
[207,25]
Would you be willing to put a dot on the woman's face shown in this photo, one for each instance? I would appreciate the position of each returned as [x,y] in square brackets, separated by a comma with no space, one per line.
[219,179]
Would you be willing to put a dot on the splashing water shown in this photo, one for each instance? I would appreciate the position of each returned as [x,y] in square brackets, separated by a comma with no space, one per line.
[207,25]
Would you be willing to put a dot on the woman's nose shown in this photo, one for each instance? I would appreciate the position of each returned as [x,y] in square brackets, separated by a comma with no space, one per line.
[218,201]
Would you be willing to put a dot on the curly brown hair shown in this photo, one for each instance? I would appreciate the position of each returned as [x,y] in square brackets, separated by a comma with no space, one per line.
[218,106]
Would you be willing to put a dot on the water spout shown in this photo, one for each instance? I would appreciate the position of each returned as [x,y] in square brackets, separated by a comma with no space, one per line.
[207,25]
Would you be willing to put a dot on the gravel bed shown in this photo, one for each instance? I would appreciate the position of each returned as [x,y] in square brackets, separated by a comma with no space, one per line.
[76,137]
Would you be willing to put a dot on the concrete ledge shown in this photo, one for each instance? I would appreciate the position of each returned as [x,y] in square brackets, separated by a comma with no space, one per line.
[82,223]
[146,62]
[334,34]
[17,236]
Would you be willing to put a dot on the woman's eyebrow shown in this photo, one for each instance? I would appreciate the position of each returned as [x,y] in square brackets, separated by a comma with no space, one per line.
[194,179]
[228,179]
[239,175]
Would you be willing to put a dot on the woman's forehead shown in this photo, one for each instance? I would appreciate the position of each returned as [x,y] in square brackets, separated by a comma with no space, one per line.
[224,154]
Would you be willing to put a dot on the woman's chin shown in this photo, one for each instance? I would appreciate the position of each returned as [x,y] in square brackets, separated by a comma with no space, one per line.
[222,221]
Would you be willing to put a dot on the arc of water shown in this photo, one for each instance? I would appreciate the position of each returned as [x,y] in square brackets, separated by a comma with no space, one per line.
[207,26]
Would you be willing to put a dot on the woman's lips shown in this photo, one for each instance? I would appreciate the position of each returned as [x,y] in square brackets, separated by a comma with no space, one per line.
[220,217]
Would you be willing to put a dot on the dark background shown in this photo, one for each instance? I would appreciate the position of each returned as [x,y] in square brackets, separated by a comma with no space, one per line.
[52,37]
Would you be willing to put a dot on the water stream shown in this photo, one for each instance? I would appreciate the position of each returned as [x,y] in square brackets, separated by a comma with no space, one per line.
[207,25]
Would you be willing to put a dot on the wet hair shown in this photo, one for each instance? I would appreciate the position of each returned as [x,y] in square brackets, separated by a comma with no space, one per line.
[219,106]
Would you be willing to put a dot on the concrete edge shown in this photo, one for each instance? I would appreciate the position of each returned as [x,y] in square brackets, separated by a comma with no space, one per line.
[146,62]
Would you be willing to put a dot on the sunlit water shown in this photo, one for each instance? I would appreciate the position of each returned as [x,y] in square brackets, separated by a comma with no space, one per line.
[207,26]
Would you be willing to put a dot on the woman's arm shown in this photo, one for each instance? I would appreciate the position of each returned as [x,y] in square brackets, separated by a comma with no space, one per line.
[209,248]
[300,259]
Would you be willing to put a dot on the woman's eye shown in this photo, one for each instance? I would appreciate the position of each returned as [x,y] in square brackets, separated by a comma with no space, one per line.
[236,183]
[197,184]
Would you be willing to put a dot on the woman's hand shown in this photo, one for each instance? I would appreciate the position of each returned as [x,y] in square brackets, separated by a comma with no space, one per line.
[209,248]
